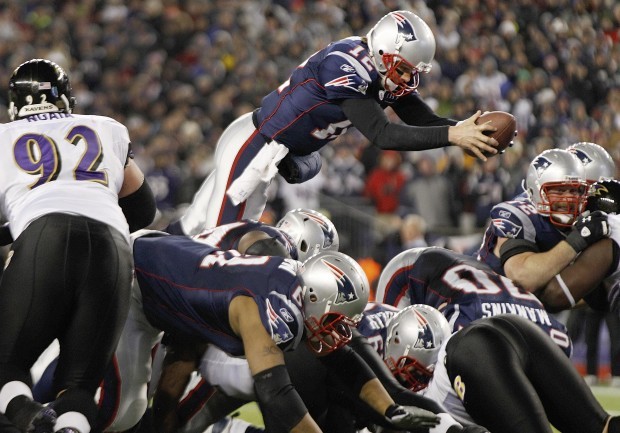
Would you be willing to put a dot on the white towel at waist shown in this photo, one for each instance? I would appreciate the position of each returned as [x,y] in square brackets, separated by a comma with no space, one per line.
[262,168]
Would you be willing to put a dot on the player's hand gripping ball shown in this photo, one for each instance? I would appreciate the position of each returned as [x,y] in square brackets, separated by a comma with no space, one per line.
[506,125]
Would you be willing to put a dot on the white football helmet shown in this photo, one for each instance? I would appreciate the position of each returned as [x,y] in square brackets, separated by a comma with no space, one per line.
[596,160]
[311,232]
[335,293]
[552,169]
[414,336]
[400,39]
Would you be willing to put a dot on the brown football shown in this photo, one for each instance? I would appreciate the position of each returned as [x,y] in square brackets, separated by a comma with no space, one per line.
[506,125]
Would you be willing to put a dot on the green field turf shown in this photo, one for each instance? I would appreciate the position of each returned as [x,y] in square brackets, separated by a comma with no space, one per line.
[608,396]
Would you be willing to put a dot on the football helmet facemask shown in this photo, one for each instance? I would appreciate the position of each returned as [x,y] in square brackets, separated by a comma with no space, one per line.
[311,232]
[335,293]
[39,86]
[414,336]
[552,170]
[598,163]
[401,42]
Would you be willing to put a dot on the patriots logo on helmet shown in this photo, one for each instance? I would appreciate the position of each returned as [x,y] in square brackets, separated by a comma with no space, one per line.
[280,331]
[541,164]
[506,228]
[405,29]
[328,234]
[425,336]
[346,291]
[583,157]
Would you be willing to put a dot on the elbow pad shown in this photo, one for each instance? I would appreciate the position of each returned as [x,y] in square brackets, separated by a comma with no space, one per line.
[512,247]
[298,169]
[139,207]
[281,406]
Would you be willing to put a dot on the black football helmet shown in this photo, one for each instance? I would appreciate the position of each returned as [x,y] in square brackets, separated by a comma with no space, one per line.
[604,195]
[39,86]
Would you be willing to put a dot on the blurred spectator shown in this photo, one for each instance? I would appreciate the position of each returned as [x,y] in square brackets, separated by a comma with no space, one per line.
[487,185]
[301,195]
[429,194]
[344,174]
[410,233]
[385,182]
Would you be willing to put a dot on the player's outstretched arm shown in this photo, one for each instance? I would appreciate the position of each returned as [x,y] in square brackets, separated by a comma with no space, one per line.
[281,406]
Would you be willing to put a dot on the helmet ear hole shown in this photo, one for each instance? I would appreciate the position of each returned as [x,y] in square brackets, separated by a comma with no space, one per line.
[313,297]
[303,247]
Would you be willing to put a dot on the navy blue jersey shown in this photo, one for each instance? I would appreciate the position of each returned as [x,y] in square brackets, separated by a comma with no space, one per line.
[187,287]
[463,289]
[304,112]
[518,219]
[227,236]
[373,324]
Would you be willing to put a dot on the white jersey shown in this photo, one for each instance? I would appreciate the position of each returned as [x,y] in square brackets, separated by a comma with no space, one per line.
[58,162]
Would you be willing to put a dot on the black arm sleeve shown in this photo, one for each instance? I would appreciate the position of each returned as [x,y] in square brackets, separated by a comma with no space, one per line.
[349,367]
[370,119]
[512,247]
[399,393]
[414,111]
[139,207]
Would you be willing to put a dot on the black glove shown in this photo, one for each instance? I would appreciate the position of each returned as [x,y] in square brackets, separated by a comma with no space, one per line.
[409,417]
[588,229]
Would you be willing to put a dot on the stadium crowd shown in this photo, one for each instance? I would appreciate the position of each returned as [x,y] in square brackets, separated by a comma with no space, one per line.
[178,72]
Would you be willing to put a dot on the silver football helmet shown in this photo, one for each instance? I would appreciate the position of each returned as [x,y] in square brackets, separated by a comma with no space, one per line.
[401,40]
[551,171]
[335,291]
[414,336]
[311,232]
[598,163]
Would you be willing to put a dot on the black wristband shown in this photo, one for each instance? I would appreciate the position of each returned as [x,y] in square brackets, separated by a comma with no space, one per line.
[576,241]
